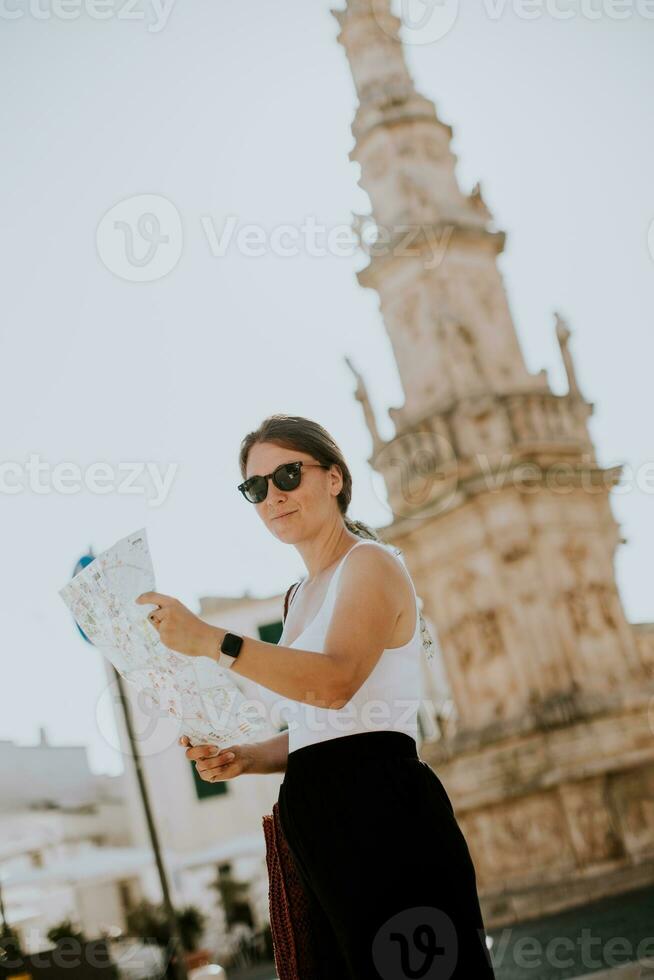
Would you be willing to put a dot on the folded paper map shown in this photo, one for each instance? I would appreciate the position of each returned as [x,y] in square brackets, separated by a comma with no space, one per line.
[200,695]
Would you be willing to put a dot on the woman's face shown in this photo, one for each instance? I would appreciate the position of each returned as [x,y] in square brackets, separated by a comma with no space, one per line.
[292,515]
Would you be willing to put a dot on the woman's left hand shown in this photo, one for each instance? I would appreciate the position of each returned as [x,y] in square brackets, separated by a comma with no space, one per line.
[179,629]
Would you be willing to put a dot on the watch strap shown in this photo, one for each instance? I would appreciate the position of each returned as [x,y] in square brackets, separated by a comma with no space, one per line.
[225,660]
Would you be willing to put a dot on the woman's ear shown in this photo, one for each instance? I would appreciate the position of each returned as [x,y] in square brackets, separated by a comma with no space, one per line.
[336,478]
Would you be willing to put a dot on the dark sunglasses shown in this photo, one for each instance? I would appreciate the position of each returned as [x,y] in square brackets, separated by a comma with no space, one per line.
[285,477]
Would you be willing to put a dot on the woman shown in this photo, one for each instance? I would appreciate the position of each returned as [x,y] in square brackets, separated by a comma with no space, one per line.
[369,824]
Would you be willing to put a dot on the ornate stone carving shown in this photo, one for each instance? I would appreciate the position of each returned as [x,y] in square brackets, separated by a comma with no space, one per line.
[416,200]
[591,823]
[521,838]
[361,394]
[563,337]
[633,796]
[478,202]
[460,354]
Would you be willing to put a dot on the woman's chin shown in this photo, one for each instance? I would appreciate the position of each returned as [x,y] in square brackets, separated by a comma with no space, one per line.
[284,529]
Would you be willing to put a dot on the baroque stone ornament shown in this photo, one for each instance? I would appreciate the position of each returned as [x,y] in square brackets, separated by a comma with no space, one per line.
[503,513]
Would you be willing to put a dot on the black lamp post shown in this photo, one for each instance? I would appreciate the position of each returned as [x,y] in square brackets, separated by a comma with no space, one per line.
[177,947]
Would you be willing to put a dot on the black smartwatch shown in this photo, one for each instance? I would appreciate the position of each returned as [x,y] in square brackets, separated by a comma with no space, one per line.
[229,649]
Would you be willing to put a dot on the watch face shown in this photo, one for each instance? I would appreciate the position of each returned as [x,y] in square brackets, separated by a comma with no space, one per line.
[231,644]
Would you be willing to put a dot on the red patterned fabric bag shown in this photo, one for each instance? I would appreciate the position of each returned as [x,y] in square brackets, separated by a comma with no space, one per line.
[296,955]
[294,946]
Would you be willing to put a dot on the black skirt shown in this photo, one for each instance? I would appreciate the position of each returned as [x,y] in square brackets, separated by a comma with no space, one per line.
[378,848]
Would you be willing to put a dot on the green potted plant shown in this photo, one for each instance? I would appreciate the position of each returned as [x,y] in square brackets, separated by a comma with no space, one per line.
[149,922]
[10,948]
[65,930]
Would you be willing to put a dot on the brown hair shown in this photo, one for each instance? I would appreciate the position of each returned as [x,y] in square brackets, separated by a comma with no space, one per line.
[305,435]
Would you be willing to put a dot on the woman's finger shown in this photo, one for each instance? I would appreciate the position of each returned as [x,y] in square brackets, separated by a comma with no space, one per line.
[215,772]
[155,598]
[201,752]
[216,762]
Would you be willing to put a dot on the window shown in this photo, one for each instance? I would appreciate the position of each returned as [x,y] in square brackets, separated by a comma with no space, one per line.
[271,632]
[204,790]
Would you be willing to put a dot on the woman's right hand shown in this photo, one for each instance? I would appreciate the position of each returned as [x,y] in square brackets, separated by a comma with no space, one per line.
[214,764]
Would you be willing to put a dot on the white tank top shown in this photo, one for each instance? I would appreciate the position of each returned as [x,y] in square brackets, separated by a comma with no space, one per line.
[386,701]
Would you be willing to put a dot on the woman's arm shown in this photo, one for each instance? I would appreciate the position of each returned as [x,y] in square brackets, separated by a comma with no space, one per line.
[271,755]
[366,609]
[213,763]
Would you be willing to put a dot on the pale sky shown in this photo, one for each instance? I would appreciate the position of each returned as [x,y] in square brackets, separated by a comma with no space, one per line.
[245,110]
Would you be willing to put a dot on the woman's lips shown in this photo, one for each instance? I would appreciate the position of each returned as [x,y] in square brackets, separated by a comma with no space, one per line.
[279,516]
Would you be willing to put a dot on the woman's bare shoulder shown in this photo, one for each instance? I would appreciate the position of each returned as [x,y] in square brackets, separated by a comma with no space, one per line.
[378,579]
[378,565]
